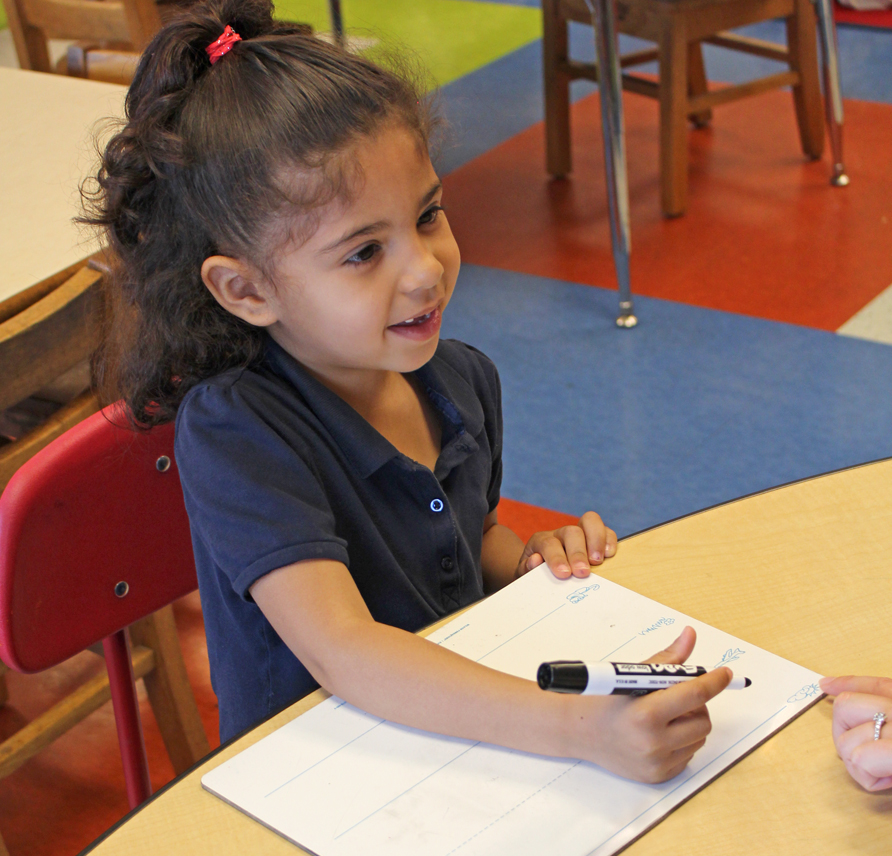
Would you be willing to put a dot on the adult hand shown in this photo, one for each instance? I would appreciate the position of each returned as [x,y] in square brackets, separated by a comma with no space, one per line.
[858,700]
[570,550]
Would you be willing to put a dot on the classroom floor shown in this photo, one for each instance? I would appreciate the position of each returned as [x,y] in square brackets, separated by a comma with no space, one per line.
[763,352]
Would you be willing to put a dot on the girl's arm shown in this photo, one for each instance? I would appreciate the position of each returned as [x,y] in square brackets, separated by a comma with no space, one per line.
[317,610]
[569,551]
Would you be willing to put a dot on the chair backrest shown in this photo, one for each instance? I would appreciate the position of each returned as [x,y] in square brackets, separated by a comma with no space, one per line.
[32,22]
[93,536]
[40,342]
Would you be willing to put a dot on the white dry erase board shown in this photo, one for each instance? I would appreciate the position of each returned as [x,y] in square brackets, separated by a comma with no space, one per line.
[338,781]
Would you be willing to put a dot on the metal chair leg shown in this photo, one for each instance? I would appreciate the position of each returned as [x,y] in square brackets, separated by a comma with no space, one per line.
[337,22]
[832,94]
[604,19]
[127,721]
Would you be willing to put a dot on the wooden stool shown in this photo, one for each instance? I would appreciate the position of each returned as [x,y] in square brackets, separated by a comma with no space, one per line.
[679,27]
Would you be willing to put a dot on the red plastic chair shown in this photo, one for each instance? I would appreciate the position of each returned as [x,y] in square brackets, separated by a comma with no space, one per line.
[94,537]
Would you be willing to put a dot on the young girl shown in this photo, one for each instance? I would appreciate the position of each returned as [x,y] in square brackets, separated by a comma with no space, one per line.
[283,265]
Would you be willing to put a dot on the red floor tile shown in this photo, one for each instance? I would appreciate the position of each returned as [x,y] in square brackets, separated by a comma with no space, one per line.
[764,235]
[526,520]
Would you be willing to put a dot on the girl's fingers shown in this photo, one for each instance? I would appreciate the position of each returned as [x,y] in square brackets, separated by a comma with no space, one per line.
[691,729]
[567,550]
[690,695]
[572,550]
[679,650]
[532,561]
[549,547]
[595,537]
[610,549]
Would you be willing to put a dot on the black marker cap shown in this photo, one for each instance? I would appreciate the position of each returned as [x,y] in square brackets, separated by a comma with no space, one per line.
[563,676]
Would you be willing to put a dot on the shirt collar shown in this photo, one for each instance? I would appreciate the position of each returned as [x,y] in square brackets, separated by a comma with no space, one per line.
[365,449]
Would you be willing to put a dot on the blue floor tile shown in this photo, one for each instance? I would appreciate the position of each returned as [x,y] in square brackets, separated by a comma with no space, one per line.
[693,408]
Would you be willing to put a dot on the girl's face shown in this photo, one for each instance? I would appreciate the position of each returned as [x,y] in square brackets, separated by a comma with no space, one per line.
[364,295]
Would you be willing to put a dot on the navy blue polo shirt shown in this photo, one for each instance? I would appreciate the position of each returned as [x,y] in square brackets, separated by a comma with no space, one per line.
[277,469]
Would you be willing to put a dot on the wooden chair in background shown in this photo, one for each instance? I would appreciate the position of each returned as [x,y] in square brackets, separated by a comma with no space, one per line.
[109,35]
[679,27]
[49,338]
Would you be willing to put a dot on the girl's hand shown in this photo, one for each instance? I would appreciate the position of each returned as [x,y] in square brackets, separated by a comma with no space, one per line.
[570,550]
[652,738]
[868,761]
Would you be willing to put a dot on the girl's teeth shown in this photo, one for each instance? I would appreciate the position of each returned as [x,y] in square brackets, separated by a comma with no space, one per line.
[419,320]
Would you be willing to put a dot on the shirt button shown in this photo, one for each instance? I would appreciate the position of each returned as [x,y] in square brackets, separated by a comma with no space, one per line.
[446,563]
[436,505]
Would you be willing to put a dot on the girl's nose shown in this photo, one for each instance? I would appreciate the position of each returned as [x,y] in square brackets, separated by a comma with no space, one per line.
[422,270]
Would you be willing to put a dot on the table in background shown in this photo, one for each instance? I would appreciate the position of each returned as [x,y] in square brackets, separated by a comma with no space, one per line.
[802,571]
[46,140]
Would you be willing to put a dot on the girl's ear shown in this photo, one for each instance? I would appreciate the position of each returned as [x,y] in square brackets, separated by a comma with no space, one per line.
[239,289]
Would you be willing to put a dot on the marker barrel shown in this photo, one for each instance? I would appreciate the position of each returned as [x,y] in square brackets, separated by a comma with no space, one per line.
[574,676]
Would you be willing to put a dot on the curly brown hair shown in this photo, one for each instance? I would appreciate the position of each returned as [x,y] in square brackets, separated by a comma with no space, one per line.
[196,170]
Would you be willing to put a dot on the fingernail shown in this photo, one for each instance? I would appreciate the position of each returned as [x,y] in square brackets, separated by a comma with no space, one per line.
[597,558]
[562,568]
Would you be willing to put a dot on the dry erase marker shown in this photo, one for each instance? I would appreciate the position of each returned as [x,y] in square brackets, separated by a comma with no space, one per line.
[574,676]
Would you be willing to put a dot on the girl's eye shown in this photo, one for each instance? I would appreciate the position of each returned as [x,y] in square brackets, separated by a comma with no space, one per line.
[365,254]
[430,215]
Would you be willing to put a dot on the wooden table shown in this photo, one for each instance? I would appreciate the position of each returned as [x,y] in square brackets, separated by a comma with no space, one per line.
[46,141]
[803,571]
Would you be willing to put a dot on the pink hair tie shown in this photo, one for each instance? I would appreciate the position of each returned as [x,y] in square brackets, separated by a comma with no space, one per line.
[223,45]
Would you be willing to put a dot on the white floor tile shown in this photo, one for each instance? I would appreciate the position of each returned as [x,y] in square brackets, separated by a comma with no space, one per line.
[874,321]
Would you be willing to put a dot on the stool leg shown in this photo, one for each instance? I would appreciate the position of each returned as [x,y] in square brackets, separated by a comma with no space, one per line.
[673,96]
[832,94]
[604,17]
[697,84]
[802,53]
[556,85]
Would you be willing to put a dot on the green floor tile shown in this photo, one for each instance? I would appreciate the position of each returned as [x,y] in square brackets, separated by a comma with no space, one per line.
[451,37]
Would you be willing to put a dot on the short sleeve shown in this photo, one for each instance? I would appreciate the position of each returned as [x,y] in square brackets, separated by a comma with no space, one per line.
[255,501]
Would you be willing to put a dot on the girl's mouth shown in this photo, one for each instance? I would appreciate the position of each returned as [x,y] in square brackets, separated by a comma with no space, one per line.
[420,327]
[414,322]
